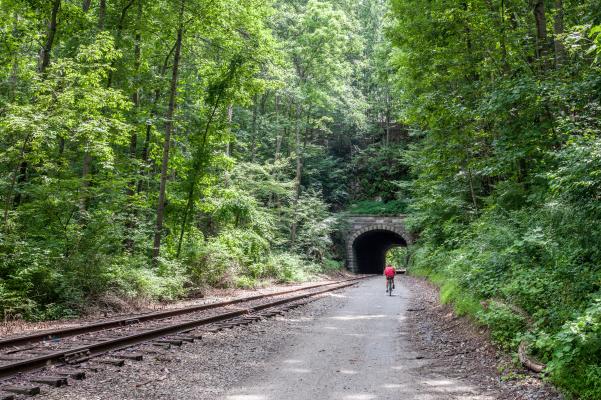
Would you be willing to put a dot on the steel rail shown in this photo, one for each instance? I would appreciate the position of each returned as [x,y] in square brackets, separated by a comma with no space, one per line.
[134,319]
[86,352]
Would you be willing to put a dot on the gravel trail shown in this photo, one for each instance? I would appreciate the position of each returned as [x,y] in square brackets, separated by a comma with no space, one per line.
[359,351]
[353,344]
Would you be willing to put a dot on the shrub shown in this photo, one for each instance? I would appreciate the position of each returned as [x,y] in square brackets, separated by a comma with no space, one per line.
[287,267]
[505,324]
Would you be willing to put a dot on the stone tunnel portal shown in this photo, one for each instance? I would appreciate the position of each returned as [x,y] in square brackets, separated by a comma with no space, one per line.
[369,250]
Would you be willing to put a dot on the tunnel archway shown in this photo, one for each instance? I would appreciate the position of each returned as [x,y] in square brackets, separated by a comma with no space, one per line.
[369,249]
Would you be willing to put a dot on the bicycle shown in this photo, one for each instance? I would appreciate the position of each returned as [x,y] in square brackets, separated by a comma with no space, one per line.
[389,286]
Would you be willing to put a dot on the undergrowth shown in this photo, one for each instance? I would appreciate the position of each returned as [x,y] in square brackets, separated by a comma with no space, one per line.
[526,278]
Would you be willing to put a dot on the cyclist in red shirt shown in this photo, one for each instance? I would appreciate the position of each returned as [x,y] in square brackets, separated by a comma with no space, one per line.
[389,273]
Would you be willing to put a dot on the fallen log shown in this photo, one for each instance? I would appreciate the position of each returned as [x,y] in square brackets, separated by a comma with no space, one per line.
[527,361]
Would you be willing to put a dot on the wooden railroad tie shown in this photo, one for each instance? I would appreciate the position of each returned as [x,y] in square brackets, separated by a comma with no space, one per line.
[77,375]
[131,356]
[26,390]
[54,381]
[111,361]
[188,339]
[170,341]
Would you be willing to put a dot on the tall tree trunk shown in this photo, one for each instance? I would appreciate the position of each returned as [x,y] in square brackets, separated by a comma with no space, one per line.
[135,97]
[472,75]
[230,118]
[19,176]
[274,198]
[44,59]
[288,129]
[387,119]
[101,14]
[14,72]
[20,173]
[201,158]
[156,250]
[299,171]
[86,5]
[197,172]
[133,140]
[504,60]
[153,113]
[541,28]
[558,28]
[253,139]
[278,136]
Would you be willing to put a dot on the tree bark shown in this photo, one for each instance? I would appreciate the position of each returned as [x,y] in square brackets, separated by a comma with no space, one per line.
[387,119]
[86,5]
[101,14]
[133,140]
[278,137]
[558,28]
[504,59]
[230,118]
[253,140]
[299,171]
[541,28]
[44,59]
[156,251]
[135,97]
[526,361]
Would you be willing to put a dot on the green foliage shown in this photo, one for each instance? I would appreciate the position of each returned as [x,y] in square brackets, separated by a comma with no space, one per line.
[506,326]
[288,267]
[369,207]
[378,170]
[398,257]
[83,144]
[575,352]
[505,159]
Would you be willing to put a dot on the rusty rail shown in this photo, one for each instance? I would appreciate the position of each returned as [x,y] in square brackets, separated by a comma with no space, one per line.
[100,348]
[115,323]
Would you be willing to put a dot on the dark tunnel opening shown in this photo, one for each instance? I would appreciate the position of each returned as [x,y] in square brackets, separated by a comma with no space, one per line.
[370,250]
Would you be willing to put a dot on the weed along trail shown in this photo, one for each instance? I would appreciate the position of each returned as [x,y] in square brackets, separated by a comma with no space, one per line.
[358,350]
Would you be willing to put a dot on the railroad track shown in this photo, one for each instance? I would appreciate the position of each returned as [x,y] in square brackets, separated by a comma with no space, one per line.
[111,341]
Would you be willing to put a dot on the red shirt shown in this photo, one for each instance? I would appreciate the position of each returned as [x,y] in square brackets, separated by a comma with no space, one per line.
[389,271]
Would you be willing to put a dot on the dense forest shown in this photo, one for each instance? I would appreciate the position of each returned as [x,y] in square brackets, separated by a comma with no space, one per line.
[503,102]
[153,148]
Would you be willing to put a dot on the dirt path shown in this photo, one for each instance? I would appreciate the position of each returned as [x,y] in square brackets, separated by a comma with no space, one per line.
[356,344]
[358,351]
